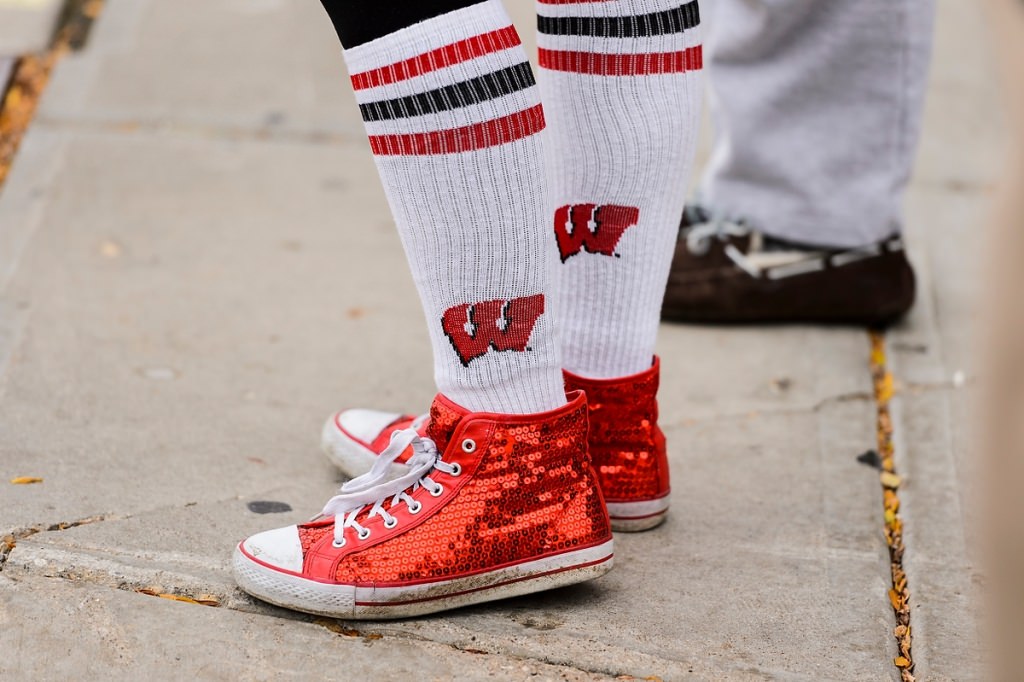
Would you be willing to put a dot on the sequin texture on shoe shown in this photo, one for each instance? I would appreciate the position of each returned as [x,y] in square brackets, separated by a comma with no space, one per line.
[627,446]
[492,506]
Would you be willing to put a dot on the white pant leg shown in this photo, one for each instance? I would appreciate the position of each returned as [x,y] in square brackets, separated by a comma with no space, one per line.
[817,108]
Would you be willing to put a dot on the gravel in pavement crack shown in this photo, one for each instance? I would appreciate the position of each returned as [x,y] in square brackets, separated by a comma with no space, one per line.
[899,593]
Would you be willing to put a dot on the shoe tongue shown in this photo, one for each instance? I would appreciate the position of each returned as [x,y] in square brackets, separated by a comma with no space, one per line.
[444,419]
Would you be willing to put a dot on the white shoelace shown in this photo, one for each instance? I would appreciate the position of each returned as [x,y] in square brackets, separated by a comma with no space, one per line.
[698,237]
[373,488]
[775,263]
[756,263]
[698,241]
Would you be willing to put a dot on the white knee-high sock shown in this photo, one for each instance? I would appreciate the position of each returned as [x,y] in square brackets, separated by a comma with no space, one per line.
[621,87]
[454,119]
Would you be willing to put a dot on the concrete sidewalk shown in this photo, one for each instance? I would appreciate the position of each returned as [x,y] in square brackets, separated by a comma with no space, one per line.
[197,265]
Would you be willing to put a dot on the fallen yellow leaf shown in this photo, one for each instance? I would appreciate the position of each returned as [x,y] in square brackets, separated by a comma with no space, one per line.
[336,627]
[202,600]
[178,597]
[26,480]
[890,480]
[14,98]
[901,662]
[92,8]
[885,388]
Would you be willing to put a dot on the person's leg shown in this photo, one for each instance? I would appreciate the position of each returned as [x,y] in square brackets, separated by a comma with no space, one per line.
[817,110]
[454,126]
[489,504]
[621,87]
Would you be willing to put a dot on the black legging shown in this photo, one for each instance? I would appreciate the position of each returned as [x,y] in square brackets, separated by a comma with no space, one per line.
[360,21]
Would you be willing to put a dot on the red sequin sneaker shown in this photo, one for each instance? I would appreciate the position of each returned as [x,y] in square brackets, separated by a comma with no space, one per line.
[353,439]
[491,506]
[627,447]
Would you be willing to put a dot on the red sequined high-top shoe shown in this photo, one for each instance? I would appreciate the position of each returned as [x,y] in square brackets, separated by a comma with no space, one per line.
[490,506]
[626,444]
[353,439]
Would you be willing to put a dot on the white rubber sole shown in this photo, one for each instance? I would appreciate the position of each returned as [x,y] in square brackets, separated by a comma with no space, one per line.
[370,602]
[349,455]
[630,517]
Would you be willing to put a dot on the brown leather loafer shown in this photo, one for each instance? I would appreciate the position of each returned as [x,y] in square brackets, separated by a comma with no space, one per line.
[726,272]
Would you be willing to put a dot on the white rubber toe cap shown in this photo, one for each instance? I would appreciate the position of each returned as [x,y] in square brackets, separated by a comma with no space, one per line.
[280,548]
[365,425]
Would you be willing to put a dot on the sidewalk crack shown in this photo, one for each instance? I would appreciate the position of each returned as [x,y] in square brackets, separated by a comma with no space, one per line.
[899,592]
[10,541]
[18,104]
[348,629]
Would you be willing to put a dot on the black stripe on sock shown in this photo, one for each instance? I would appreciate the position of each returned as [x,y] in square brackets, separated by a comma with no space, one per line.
[360,21]
[658,23]
[476,90]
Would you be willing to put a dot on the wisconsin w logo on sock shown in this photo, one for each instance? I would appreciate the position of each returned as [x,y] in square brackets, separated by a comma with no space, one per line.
[593,228]
[475,328]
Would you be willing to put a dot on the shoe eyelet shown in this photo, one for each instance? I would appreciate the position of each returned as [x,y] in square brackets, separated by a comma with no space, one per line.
[469,445]
[416,507]
[338,545]
[364,534]
[456,469]
[391,523]
[438,491]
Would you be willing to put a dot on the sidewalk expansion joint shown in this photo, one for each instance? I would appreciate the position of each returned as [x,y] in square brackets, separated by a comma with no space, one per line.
[368,631]
[31,74]
[347,629]
[10,541]
[899,592]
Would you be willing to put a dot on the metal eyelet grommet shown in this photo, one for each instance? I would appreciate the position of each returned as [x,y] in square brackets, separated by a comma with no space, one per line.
[456,469]
[391,523]
[438,491]
[415,508]
[364,533]
[338,545]
[469,445]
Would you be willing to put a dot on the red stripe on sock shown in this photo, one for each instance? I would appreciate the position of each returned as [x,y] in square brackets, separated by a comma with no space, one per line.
[594,63]
[462,51]
[465,139]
